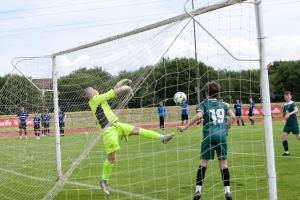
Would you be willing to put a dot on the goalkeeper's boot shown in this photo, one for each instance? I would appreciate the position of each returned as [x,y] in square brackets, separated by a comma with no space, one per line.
[167,138]
[228,196]
[197,195]
[104,187]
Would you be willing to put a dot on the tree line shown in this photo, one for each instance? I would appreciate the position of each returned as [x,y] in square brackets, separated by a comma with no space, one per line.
[159,82]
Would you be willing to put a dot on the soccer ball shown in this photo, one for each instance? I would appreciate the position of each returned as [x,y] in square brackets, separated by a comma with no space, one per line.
[180,97]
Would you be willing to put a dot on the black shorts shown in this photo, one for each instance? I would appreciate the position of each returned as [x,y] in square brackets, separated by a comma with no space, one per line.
[61,125]
[238,114]
[36,127]
[250,114]
[184,117]
[22,126]
[45,124]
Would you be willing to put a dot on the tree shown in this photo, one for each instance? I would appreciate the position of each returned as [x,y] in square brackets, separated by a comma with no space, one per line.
[284,75]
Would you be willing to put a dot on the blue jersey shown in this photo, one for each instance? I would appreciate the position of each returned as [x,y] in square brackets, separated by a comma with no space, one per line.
[238,108]
[61,117]
[22,117]
[251,106]
[161,110]
[45,117]
[184,109]
[36,120]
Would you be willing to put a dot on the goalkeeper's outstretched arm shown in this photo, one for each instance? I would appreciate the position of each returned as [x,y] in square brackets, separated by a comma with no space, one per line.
[119,87]
[195,119]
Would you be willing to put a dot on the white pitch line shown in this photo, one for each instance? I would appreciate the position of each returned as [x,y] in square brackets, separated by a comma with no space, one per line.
[24,175]
[259,155]
[113,190]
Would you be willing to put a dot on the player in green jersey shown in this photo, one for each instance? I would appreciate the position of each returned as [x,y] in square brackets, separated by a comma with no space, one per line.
[289,110]
[213,113]
[114,128]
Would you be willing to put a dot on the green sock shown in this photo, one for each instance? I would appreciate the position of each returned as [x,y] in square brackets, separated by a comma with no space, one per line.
[285,145]
[150,134]
[107,168]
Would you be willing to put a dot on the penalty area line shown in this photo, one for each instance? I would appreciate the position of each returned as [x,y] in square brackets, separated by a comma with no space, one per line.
[113,190]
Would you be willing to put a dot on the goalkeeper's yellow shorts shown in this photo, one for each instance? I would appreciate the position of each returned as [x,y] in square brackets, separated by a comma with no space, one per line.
[111,136]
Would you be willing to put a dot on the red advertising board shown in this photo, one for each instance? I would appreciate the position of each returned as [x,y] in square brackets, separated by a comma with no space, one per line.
[13,122]
[258,111]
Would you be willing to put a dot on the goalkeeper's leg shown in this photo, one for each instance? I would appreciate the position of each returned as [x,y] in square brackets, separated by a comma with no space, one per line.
[151,134]
[111,144]
[106,171]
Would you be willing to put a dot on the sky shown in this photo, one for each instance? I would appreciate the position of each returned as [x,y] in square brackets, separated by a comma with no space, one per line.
[42,27]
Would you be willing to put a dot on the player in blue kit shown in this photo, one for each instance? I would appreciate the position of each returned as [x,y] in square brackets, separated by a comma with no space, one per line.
[36,125]
[251,111]
[22,115]
[161,110]
[46,123]
[184,113]
[238,112]
[61,118]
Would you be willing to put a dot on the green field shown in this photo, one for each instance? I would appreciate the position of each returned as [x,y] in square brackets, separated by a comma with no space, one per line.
[147,168]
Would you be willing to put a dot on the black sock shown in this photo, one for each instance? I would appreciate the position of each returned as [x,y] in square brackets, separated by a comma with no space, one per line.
[225,176]
[200,175]
[238,122]
[285,145]
[243,122]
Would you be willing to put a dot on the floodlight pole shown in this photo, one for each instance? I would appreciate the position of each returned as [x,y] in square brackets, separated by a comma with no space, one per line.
[196,58]
[265,91]
[56,120]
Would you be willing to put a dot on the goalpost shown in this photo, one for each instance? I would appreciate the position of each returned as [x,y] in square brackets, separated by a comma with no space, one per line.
[151,84]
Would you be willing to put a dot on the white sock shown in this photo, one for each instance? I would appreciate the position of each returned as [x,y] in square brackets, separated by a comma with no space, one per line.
[227,189]
[198,188]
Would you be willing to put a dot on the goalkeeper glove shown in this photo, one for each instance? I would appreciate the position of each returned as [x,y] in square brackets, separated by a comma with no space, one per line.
[127,89]
[123,82]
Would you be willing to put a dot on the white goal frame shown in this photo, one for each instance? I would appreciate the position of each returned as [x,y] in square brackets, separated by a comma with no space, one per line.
[264,81]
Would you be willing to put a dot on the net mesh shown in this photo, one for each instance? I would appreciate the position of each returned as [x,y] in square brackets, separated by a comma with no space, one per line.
[160,62]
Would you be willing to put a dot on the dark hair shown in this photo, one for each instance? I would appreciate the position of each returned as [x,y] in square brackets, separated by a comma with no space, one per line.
[212,89]
[288,93]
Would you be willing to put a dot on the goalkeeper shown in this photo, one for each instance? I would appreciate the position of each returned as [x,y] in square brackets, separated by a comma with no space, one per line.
[115,129]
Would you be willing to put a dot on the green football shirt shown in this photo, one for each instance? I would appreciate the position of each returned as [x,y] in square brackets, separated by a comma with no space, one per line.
[214,117]
[290,107]
[102,110]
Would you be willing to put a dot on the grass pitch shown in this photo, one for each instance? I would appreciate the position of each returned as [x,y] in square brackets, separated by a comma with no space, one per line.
[147,169]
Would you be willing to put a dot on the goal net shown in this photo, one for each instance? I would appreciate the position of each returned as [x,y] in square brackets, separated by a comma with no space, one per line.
[160,62]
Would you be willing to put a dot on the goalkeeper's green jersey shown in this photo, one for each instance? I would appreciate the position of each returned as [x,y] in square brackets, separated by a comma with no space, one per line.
[290,107]
[214,117]
[102,110]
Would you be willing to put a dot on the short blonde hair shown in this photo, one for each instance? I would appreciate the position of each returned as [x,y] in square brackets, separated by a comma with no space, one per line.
[88,93]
